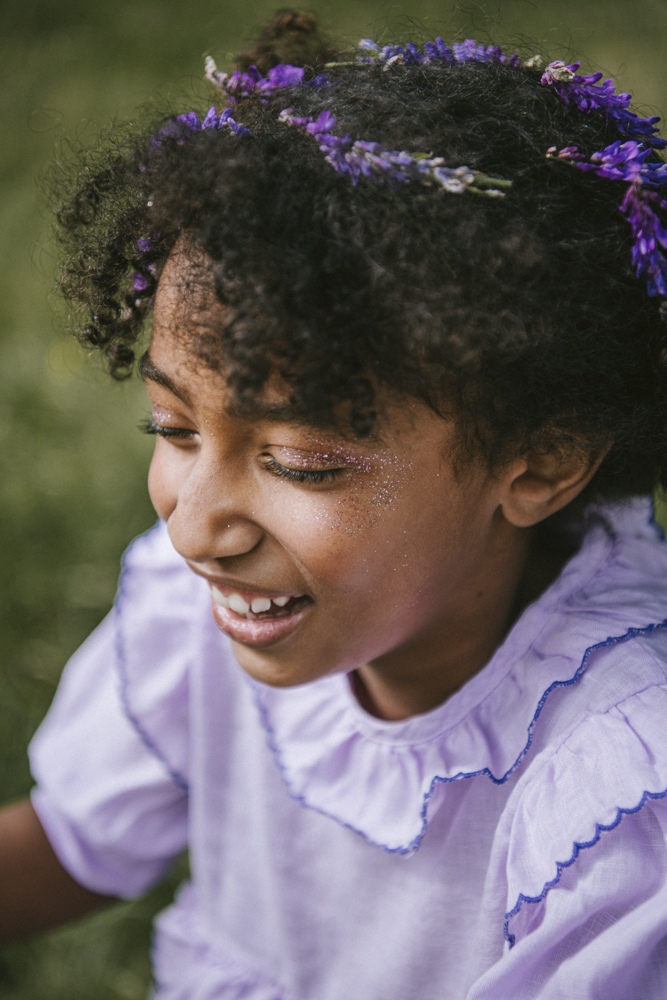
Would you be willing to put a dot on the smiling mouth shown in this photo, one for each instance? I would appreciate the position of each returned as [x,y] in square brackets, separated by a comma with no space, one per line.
[259,620]
[259,607]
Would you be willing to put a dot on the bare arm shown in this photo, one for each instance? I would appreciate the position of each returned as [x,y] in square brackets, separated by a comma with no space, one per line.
[36,893]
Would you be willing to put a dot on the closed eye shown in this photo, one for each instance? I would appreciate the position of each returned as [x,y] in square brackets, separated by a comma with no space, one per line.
[150,426]
[300,475]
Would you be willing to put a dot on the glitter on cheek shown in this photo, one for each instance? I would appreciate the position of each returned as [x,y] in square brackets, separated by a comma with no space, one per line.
[378,478]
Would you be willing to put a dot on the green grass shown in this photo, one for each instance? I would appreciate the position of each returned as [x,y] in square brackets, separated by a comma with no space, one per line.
[72,464]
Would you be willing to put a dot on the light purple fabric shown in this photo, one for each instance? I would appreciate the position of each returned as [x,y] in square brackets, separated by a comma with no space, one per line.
[510,843]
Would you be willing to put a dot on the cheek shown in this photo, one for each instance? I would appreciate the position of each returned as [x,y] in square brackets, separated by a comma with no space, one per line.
[163,481]
[371,538]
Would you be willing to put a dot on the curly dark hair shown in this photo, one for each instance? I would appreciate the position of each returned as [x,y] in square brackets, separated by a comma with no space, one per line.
[521,316]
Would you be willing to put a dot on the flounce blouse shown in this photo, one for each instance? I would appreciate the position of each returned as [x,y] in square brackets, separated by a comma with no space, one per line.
[509,843]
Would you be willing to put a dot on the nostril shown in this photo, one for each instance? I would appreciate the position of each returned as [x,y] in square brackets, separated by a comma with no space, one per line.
[200,537]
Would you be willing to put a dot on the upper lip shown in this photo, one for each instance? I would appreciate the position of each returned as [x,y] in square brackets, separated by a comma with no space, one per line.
[240,588]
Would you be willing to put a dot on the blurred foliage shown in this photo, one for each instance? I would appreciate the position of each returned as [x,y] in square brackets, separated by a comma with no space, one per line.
[72,465]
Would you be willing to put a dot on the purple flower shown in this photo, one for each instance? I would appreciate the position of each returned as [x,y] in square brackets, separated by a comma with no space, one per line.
[434,52]
[280,78]
[321,80]
[323,123]
[227,121]
[211,121]
[568,153]
[621,161]
[585,93]
[469,51]
[235,85]
[191,120]
[139,282]
[629,162]
[650,235]
[371,160]
[369,46]
[437,51]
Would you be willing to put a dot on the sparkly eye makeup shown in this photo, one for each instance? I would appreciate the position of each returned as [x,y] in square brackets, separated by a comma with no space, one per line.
[164,423]
[299,466]
[332,457]
[151,426]
[300,475]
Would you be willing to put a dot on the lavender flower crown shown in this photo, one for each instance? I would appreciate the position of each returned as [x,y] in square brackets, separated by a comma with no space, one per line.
[627,161]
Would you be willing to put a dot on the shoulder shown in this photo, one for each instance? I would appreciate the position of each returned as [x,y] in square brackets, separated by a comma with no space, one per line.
[601,757]
[598,750]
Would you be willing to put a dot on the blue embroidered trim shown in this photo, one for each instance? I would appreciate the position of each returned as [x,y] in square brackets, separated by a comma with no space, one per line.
[121,660]
[600,828]
[414,844]
[273,747]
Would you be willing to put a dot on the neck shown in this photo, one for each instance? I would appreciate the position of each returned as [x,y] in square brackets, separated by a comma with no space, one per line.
[423,674]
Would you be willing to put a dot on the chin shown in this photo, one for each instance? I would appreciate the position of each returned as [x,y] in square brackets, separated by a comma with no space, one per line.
[269,670]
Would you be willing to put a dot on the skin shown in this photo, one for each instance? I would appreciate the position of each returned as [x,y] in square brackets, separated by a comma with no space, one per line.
[413,567]
[414,570]
[37,892]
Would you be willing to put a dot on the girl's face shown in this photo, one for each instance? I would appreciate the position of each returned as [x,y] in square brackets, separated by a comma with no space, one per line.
[322,553]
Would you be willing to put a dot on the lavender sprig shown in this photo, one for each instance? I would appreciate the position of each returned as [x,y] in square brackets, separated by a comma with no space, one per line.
[434,52]
[213,120]
[628,161]
[585,93]
[649,234]
[282,77]
[371,160]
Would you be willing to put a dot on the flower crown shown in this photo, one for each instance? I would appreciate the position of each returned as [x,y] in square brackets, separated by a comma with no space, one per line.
[627,161]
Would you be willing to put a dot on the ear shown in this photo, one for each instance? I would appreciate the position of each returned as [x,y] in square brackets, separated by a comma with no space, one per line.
[539,484]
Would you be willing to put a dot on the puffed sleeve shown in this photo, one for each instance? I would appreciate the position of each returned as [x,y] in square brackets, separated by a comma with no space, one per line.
[602,931]
[583,848]
[110,758]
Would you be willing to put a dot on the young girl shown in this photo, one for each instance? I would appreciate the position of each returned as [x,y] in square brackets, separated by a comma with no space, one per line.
[392,664]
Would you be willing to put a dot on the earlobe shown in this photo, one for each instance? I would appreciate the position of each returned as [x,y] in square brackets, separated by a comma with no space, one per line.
[540,484]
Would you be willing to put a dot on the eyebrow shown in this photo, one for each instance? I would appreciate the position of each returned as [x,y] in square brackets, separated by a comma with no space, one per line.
[282,414]
[268,411]
[150,372]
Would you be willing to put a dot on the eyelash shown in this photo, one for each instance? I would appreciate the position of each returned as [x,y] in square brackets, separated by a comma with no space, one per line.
[151,427]
[293,475]
[302,475]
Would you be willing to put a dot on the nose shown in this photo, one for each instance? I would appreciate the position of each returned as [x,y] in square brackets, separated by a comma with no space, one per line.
[213,516]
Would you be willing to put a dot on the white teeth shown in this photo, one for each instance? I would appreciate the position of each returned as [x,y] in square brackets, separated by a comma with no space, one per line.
[237,604]
[241,606]
[260,604]
[219,597]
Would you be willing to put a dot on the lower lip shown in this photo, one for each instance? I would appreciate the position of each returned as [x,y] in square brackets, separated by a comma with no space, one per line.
[262,632]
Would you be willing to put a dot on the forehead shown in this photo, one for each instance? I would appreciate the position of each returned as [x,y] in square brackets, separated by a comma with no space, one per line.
[185,294]
[188,316]
[171,365]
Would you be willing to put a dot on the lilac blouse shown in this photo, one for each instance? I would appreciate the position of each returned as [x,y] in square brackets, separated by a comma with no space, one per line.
[511,843]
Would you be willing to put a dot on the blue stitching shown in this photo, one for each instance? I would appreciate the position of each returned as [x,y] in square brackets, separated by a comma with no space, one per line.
[414,844]
[121,659]
[560,865]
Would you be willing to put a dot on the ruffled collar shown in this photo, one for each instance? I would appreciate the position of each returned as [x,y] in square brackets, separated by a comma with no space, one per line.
[378,778]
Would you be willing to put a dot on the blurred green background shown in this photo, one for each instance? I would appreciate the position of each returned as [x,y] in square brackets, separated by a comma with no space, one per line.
[72,463]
